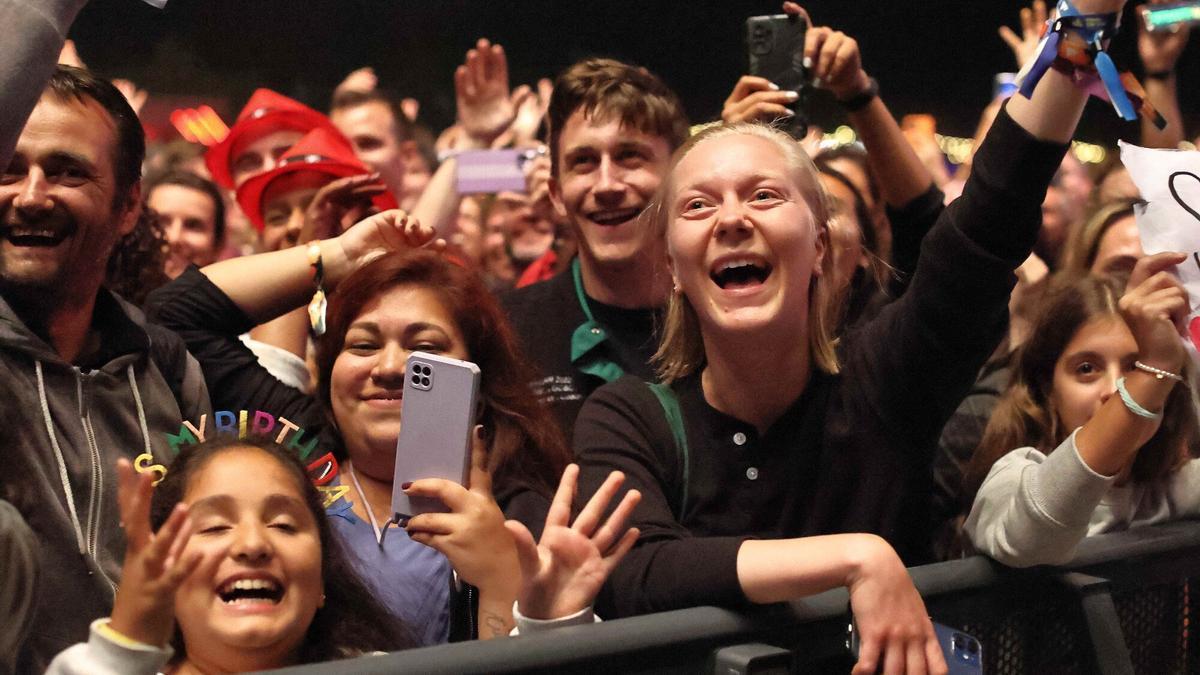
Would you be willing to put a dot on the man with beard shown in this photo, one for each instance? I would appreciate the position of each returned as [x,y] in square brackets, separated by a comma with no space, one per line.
[90,380]
[613,128]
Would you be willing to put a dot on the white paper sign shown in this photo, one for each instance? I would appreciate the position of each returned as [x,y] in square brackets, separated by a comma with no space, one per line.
[1169,220]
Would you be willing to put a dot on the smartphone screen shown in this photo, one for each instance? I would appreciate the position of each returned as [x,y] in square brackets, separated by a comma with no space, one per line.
[440,403]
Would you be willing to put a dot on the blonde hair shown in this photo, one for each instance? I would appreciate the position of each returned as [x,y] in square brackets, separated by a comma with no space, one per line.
[681,348]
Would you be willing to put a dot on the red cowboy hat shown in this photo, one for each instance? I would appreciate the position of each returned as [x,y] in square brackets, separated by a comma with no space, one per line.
[321,151]
[266,112]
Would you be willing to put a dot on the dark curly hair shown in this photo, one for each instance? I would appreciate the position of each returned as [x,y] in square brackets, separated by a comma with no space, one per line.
[351,622]
[138,261]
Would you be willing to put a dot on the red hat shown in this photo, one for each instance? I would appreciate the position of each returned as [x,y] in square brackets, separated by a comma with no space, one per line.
[321,151]
[266,112]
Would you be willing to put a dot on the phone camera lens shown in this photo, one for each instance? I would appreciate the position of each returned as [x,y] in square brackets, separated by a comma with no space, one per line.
[424,381]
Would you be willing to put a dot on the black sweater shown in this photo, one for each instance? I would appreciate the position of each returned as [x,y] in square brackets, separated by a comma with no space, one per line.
[853,453]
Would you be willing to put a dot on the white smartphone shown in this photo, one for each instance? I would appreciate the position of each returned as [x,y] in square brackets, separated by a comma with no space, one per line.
[439,414]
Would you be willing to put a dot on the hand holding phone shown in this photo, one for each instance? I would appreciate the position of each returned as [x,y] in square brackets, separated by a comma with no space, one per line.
[775,45]
[963,652]
[487,171]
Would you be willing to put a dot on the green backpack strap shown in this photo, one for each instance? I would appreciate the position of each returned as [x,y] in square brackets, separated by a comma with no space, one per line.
[670,405]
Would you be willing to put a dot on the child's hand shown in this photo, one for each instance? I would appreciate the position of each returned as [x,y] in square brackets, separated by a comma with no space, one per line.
[156,563]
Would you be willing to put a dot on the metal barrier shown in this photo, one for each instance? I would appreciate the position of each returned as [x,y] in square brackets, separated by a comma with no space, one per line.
[1126,604]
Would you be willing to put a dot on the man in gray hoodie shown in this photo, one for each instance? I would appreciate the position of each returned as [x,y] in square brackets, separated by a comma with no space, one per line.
[89,379]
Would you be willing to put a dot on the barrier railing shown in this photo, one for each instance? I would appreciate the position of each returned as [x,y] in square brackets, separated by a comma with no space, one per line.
[1123,605]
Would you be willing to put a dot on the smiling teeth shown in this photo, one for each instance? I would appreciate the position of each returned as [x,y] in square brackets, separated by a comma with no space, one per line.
[249,585]
[740,262]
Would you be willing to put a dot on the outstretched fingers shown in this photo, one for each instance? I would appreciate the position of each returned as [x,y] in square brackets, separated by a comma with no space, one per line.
[560,508]
[615,526]
[589,517]
[133,501]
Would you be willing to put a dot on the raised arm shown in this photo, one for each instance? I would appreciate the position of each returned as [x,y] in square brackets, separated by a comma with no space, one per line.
[1159,52]
[266,285]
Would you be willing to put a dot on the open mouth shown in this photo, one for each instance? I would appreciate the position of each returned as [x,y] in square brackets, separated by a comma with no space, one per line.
[738,273]
[614,218]
[247,591]
[34,237]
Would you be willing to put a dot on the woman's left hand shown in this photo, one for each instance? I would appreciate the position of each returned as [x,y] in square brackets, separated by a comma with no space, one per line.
[562,573]
[472,534]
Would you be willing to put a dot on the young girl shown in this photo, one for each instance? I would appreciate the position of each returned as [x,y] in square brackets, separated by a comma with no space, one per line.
[234,549]
[1100,419]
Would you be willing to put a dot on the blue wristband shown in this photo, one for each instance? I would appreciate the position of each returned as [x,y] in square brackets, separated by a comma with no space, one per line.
[1132,405]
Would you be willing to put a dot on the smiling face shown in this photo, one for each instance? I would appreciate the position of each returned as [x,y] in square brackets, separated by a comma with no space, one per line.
[606,174]
[744,244]
[372,131]
[188,218]
[262,595]
[1086,373]
[60,215]
[366,383]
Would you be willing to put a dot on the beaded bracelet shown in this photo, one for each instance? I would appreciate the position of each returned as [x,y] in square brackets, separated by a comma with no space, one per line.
[1158,373]
[1132,405]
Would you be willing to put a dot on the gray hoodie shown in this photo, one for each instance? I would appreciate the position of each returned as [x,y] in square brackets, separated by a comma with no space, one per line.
[73,422]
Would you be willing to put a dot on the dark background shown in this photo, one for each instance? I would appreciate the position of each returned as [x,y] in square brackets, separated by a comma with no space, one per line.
[929,56]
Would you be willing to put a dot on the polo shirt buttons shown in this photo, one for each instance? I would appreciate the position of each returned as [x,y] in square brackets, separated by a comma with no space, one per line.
[740,439]
[752,473]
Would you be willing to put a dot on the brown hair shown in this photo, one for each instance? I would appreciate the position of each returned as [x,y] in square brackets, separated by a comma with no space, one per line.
[1083,242]
[603,88]
[1025,415]
[525,443]
[402,127]
[351,622]
[681,349]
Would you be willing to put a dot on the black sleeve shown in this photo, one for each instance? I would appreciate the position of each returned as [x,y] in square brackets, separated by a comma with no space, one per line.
[913,364]
[210,323]
[910,223]
[622,427]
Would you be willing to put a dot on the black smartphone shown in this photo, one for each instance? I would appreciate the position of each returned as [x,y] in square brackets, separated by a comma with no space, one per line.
[775,45]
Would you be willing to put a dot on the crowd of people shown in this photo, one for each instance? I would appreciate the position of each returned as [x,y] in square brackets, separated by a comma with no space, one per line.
[720,365]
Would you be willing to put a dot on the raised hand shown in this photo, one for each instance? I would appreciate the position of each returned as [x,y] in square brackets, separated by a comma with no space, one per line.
[832,58]
[756,98]
[562,573]
[531,108]
[1023,47]
[156,563]
[895,633]
[485,107]
[392,230]
[1155,306]
[137,97]
[345,199]
[1160,50]
[363,79]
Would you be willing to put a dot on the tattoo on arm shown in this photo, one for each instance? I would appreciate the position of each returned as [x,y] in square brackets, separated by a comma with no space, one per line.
[496,624]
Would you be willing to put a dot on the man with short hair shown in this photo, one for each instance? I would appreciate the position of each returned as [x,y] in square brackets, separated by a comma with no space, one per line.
[382,138]
[613,128]
[91,379]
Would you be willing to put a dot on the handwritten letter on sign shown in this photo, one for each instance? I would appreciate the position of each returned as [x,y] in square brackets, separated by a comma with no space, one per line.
[1169,181]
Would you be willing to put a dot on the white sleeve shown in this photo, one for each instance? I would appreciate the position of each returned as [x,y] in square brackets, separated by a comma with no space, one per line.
[1034,509]
[101,655]
[1184,490]
[528,626]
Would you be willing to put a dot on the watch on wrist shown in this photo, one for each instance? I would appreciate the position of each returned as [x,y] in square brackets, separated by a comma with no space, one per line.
[862,99]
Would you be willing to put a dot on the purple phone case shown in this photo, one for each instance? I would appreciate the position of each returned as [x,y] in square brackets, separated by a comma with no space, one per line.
[482,171]
[440,396]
